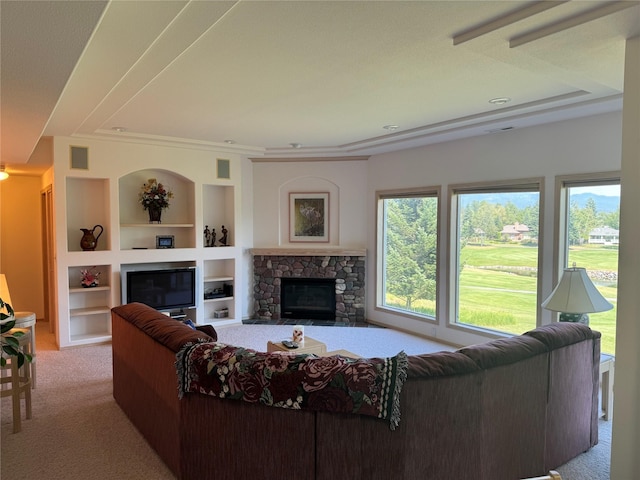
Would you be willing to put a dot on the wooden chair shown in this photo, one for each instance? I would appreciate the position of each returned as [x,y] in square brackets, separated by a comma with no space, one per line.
[553,475]
[28,320]
[18,383]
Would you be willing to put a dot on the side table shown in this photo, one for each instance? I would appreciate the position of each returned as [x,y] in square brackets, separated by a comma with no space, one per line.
[607,366]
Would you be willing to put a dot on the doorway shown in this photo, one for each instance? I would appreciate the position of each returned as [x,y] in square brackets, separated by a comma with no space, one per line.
[49,258]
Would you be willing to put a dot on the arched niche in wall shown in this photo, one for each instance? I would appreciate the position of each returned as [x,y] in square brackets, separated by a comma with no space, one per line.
[136,229]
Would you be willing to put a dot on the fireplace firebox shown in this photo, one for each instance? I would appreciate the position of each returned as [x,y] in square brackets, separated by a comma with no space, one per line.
[308,298]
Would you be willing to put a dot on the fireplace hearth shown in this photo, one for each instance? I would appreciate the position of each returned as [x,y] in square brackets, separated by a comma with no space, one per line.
[345,272]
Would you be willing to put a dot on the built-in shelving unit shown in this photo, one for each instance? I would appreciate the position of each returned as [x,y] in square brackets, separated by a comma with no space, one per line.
[107,194]
[89,308]
[219,211]
[90,207]
[218,291]
[136,231]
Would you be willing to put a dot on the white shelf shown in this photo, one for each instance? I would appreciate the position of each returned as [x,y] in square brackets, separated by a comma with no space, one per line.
[220,299]
[102,288]
[77,312]
[157,225]
[91,338]
[218,279]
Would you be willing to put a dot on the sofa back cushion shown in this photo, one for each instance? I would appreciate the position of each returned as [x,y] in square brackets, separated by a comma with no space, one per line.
[439,364]
[562,334]
[171,333]
[504,351]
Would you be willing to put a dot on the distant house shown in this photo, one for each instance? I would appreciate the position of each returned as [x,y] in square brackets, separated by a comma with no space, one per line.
[515,233]
[604,236]
[479,236]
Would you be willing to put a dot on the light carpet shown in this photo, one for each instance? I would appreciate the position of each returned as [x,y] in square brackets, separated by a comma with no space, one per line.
[78,431]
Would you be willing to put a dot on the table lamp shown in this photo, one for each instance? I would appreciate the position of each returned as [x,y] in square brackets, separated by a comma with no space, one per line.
[4,289]
[576,296]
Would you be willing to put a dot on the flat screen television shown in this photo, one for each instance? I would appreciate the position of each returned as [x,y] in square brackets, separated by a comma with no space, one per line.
[168,289]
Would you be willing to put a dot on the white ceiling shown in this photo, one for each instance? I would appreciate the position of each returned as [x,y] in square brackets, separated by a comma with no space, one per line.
[328,75]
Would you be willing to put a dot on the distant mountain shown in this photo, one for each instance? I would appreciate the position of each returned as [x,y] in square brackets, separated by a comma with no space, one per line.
[519,199]
[604,203]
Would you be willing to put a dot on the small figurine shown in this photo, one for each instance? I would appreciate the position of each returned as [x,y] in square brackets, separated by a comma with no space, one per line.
[223,238]
[207,236]
[213,238]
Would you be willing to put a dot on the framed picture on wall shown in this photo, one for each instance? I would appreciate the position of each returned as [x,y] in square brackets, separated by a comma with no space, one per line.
[309,217]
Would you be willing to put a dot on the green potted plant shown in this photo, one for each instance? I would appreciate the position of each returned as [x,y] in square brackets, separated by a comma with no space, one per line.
[10,342]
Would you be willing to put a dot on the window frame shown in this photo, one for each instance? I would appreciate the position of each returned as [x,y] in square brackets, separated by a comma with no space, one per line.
[453,258]
[380,277]
[561,220]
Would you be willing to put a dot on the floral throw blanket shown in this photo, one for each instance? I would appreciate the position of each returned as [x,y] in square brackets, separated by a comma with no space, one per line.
[334,384]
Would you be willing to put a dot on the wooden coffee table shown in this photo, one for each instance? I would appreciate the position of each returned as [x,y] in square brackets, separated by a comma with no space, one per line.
[344,353]
[310,345]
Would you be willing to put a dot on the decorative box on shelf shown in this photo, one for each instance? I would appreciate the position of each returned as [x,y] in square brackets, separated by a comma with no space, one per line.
[222,313]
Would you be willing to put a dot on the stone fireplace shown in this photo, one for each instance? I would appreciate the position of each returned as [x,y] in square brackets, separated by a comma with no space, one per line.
[345,268]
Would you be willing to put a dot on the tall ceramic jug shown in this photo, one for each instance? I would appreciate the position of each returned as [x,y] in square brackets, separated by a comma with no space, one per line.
[89,241]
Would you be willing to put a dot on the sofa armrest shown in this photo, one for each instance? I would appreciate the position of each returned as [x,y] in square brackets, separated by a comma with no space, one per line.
[164,330]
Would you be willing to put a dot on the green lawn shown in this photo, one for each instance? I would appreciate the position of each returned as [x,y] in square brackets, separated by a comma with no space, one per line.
[499,255]
[511,297]
[594,257]
[512,294]
[503,297]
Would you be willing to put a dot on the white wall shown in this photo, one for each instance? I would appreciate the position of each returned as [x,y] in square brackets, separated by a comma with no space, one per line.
[21,242]
[246,215]
[346,181]
[625,462]
[585,145]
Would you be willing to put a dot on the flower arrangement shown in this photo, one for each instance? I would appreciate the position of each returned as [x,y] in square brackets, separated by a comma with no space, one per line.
[154,195]
[89,278]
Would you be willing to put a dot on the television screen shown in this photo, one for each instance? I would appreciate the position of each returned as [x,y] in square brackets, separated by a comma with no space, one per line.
[163,289]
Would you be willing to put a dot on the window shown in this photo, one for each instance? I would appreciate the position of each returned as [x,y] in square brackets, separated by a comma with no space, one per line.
[590,239]
[494,274]
[408,252]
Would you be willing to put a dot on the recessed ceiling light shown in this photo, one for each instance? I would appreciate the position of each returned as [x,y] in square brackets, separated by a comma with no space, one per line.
[119,129]
[295,145]
[230,142]
[500,100]
[391,128]
[502,129]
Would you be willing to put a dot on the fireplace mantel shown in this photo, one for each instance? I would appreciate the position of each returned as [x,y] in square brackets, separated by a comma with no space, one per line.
[309,252]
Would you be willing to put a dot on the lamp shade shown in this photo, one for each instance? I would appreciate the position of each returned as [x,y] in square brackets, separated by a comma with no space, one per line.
[4,289]
[576,294]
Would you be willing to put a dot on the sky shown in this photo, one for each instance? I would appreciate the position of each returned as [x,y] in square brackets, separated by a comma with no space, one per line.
[608,190]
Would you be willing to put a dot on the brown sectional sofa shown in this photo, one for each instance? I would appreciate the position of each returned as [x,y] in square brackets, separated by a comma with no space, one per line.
[508,409]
